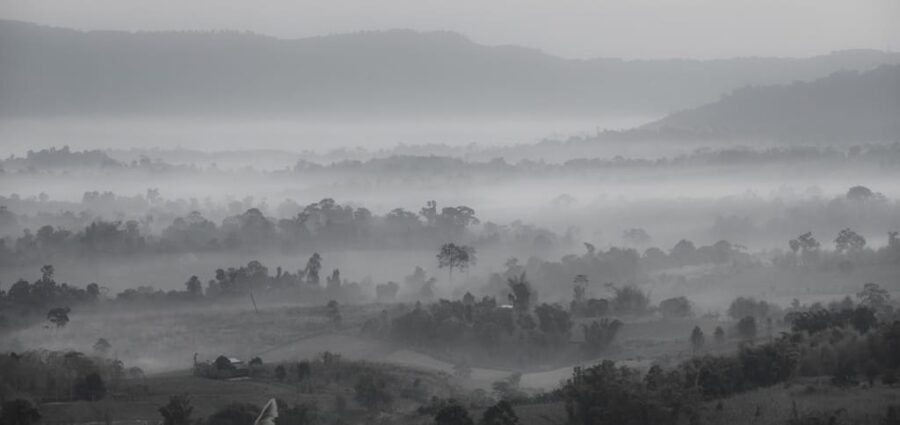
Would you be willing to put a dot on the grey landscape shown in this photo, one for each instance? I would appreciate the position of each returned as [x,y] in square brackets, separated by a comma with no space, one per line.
[218,214]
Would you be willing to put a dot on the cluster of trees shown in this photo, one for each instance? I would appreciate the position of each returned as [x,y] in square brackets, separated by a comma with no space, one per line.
[26,301]
[617,265]
[62,376]
[522,328]
[322,224]
[607,393]
[374,387]
[403,164]
[850,250]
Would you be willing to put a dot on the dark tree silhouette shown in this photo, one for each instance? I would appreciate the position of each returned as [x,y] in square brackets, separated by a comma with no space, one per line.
[454,256]
[177,411]
[312,269]
[59,316]
[697,339]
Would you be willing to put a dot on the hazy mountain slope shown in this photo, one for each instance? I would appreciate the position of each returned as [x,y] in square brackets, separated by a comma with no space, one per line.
[845,106]
[50,71]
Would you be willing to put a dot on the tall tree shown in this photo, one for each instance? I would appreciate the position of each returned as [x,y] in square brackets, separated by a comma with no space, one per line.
[454,256]
[312,269]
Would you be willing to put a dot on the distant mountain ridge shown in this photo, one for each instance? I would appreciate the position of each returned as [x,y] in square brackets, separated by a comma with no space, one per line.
[845,106]
[48,71]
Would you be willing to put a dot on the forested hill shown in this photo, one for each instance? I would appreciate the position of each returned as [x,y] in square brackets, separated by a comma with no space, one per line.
[845,106]
[54,72]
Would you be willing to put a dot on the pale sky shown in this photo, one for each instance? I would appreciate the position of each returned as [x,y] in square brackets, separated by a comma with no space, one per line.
[570,28]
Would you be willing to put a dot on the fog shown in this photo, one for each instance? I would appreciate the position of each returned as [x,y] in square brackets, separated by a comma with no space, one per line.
[347,222]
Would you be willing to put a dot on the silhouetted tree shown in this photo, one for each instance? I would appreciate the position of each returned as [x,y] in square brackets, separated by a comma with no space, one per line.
[59,316]
[333,311]
[454,256]
[312,269]
[697,339]
[177,411]
[520,297]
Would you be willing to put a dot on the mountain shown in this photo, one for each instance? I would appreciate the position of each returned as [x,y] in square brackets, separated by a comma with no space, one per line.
[845,106]
[48,71]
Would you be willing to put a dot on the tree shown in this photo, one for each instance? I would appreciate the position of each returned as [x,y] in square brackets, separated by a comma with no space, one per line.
[697,339]
[90,388]
[177,411]
[807,246]
[386,292]
[520,297]
[676,308]
[874,297]
[599,335]
[719,335]
[223,363]
[860,193]
[746,328]
[59,316]
[630,300]
[501,413]
[453,414]
[454,256]
[333,311]
[194,286]
[313,265]
[280,373]
[19,412]
[102,346]
[849,241]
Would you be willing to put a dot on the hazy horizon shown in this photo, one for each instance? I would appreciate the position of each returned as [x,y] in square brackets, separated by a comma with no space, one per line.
[584,30]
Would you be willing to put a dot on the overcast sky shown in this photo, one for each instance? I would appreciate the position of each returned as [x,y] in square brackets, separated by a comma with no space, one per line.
[571,28]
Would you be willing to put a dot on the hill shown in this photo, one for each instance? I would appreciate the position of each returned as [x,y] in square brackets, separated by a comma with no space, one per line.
[48,71]
[845,106]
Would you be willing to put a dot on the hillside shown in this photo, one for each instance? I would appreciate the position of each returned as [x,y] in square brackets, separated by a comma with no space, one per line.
[845,106]
[56,72]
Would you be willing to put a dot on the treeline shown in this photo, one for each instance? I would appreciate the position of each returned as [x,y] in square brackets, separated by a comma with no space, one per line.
[324,224]
[418,162]
[46,376]
[26,301]
[607,393]
[850,250]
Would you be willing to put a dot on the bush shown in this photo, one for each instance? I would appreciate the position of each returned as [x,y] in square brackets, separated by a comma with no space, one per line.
[177,411]
[677,308]
[235,413]
[631,300]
